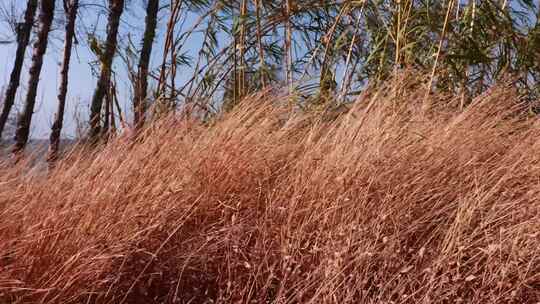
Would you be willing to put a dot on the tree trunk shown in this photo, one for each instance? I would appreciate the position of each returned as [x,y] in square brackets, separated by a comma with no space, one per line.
[175,7]
[112,120]
[64,75]
[146,51]
[46,15]
[106,123]
[116,8]
[242,48]
[258,5]
[288,46]
[23,38]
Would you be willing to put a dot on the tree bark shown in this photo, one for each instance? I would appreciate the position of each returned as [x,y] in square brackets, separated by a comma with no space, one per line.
[288,46]
[175,7]
[144,61]
[258,5]
[116,8]
[242,49]
[106,122]
[46,15]
[23,38]
[56,128]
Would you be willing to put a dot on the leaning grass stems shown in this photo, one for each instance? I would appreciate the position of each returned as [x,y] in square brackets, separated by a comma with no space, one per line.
[383,203]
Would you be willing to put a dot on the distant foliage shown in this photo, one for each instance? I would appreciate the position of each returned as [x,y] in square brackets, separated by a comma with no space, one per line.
[468,45]
[213,54]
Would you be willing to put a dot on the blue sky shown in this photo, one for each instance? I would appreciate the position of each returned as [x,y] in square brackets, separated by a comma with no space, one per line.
[82,82]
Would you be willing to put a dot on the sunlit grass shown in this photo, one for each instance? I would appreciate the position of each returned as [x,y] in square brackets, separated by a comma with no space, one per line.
[385,204]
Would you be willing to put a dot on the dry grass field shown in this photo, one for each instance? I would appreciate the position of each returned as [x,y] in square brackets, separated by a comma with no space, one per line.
[387,203]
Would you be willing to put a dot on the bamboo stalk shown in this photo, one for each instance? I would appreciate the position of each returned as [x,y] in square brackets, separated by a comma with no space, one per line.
[241,48]
[328,41]
[346,75]
[288,48]
[434,69]
[259,43]
[175,9]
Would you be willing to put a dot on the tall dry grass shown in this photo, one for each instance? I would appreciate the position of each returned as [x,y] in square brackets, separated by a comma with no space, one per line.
[384,204]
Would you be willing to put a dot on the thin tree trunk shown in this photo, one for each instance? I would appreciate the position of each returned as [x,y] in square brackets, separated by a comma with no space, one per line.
[260,43]
[46,15]
[112,119]
[116,8]
[146,51]
[327,82]
[56,128]
[426,103]
[172,96]
[106,123]
[23,38]
[236,79]
[242,49]
[173,18]
[199,59]
[288,45]
[114,97]
[347,76]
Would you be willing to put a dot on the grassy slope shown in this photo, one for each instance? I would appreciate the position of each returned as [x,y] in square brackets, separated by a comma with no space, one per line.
[386,203]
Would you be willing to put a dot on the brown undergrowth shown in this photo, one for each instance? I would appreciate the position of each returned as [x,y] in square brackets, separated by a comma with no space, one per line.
[387,203]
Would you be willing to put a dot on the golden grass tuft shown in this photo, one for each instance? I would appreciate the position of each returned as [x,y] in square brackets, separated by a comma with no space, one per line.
[384,204]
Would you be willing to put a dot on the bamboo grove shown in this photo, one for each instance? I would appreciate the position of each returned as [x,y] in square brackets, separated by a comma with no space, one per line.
[322,53]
